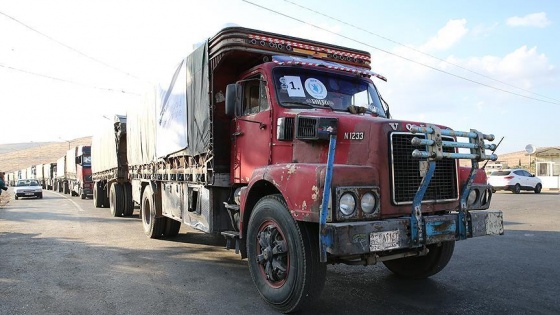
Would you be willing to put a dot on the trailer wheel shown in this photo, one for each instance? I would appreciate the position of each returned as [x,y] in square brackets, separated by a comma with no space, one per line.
[128,202]
[96,202]
[153,226]
[116,200]
[283,256]
[172,227]
[424,266]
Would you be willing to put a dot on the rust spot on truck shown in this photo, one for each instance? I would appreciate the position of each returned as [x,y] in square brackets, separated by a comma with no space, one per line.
[315,193]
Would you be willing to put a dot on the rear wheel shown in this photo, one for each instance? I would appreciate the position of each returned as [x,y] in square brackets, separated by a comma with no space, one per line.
[98,195]
[128,202]
[516,189]
[172,227]
[283,256]
[153,226]
[116,200]
[424,266]
[16,197]
[538,189]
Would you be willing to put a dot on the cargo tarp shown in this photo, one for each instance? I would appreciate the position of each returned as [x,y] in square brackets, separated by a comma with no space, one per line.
[175,115]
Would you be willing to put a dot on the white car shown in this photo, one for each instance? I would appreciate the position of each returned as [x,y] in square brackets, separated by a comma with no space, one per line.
[28,188]
[514,180]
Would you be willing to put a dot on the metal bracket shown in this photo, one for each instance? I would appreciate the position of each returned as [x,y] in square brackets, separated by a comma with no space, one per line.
[434,145]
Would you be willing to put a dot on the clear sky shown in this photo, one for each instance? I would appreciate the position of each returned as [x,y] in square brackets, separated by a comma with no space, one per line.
[488,65]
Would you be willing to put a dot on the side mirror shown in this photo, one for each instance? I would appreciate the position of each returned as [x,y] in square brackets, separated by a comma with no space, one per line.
[233,100]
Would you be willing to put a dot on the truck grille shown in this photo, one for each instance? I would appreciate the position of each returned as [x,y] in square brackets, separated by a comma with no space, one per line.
[406,173]
[306,128]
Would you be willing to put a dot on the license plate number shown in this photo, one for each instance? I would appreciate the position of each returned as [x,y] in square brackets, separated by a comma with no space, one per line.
[379,241]
[29,194]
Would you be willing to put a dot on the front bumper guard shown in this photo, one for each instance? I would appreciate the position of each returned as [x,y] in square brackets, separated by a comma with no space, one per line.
[356,238]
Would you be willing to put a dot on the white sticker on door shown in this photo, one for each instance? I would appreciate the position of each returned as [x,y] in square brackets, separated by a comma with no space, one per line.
[315,88]
[295,89]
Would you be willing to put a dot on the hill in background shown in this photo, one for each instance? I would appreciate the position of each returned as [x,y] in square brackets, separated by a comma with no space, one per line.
[17,156]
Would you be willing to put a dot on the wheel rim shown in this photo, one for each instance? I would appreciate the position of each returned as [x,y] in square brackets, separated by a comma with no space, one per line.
[272,254]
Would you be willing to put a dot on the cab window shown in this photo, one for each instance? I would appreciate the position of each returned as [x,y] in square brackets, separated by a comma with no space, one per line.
[254,96]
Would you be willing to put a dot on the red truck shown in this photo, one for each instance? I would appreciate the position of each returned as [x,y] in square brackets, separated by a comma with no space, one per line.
[285,146]
[73,172]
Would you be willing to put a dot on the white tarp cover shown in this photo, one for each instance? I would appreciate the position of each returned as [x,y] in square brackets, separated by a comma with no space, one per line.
[71,163]
[103,148]
[174,116]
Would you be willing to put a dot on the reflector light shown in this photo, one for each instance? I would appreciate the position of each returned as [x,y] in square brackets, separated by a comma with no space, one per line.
[291,60]
[508,177]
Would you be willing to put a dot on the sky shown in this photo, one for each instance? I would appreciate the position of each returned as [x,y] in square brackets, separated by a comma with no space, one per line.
[65,66]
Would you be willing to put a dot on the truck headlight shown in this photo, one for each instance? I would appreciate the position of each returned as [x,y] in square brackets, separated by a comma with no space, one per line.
[368,203]
[471,199]
[347,204]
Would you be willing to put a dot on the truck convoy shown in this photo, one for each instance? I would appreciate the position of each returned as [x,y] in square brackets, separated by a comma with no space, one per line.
[73,172]
[285,147]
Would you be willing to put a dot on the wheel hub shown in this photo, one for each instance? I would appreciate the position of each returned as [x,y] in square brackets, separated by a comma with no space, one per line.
[273,256]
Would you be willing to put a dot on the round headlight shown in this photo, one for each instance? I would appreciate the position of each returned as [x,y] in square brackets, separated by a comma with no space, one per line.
[368,203]
[471,199]
[347,204]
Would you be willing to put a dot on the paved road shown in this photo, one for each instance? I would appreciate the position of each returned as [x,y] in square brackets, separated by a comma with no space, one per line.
[60,255]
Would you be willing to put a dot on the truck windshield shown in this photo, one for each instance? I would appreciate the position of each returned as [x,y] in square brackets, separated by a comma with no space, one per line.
[86,160]
[296,87]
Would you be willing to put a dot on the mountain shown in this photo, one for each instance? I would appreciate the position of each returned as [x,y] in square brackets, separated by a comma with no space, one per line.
[18,156]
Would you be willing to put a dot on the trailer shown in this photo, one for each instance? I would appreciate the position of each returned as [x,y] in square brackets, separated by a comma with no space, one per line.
[284,146]
[49,175]
[111,185]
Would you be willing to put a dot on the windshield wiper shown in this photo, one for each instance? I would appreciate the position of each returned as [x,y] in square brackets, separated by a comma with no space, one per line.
[298,104]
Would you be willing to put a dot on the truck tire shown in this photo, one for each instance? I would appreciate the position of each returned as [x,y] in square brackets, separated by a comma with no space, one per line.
[283,256]
[128,202]
[424,266]
[82,195]
[172,227]
[153,226]
[116,200]
[66,189]
[98,195]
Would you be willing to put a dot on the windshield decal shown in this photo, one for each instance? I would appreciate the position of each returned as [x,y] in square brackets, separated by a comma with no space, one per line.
[315,88]
[293,85]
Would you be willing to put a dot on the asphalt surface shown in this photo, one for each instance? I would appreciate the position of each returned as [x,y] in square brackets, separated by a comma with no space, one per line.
[60,255]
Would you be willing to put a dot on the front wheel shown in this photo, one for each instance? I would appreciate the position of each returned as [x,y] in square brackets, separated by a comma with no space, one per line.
[423,266]
[538,189]
[283,256]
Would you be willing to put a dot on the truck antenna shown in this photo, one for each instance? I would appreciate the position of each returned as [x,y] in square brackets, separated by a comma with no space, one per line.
[496,148]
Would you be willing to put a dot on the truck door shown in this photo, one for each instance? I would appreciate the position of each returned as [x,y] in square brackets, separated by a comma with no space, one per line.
[253,131]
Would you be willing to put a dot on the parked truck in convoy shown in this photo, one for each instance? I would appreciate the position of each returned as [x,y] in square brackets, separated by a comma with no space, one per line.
[49,173]
[39,175]
[73,172]
[111,184]
[285,146]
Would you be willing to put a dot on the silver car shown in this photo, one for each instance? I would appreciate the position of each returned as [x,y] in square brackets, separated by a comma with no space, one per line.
[514,180]
[28,188]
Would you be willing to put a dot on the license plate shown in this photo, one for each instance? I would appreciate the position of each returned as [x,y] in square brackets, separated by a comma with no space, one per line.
[379,241]
[29,194]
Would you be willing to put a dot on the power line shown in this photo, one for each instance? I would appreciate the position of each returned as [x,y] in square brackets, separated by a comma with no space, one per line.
[66,81]
[71,48]
[399,56]
[417,50]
